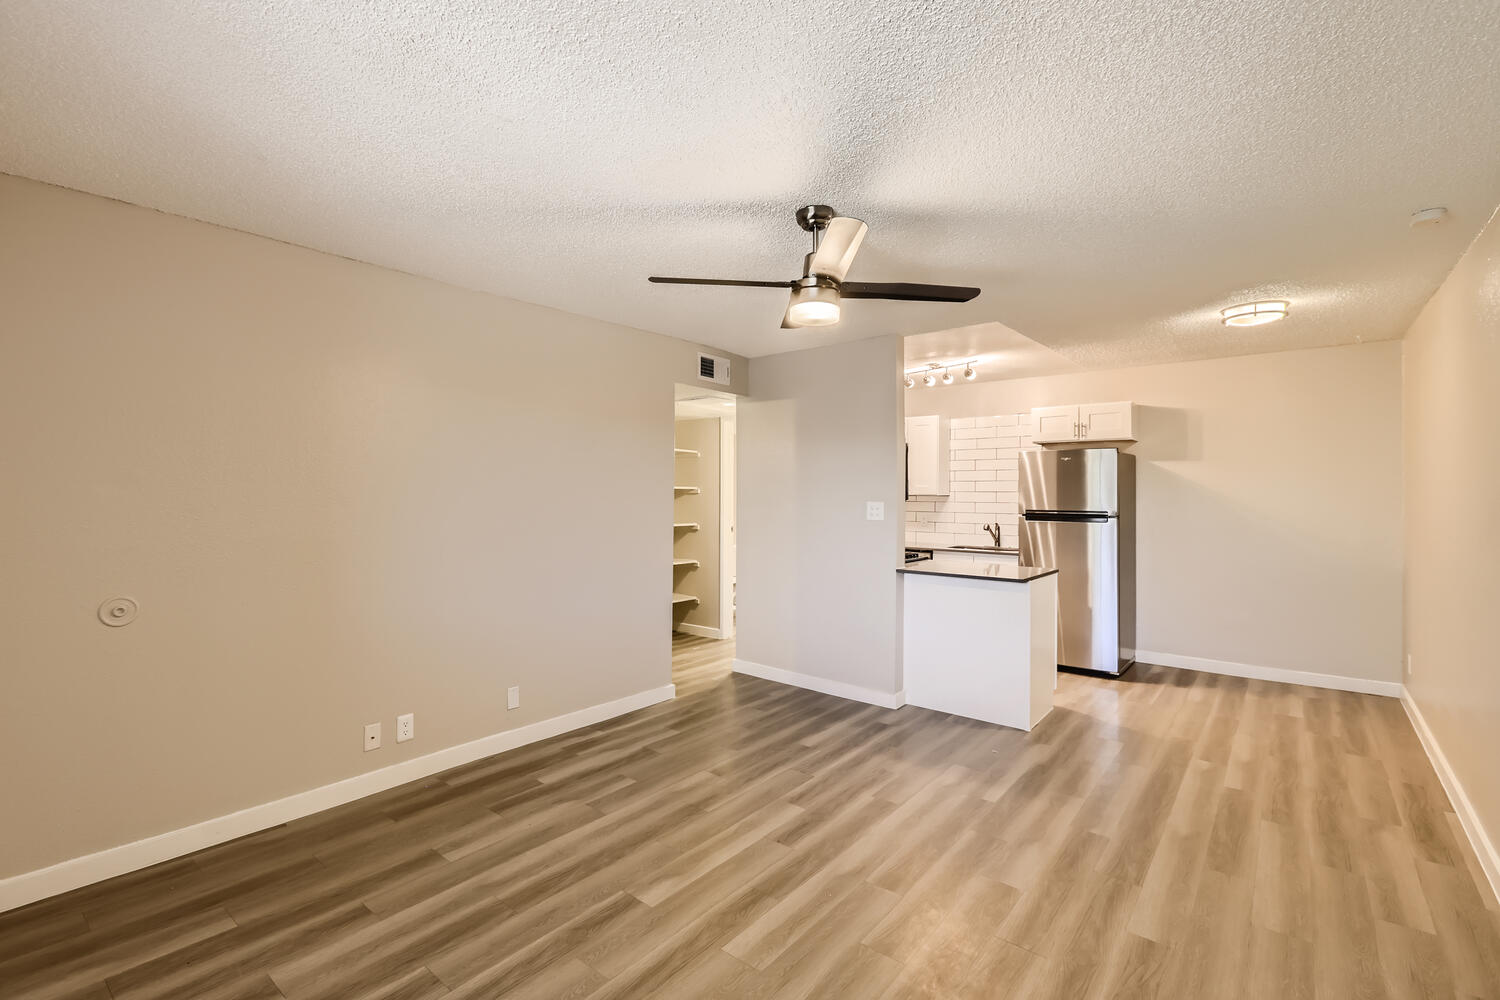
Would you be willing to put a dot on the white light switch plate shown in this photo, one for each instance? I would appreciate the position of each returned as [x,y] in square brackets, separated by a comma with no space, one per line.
[513,697]
[874,510]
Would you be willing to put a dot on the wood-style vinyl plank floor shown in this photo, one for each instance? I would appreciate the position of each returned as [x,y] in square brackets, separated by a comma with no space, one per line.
[1170,834]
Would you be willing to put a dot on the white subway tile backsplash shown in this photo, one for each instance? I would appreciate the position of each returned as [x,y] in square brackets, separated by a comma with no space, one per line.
[983,461]
[933,538]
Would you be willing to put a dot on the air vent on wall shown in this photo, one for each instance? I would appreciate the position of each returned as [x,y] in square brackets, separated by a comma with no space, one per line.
[712,369]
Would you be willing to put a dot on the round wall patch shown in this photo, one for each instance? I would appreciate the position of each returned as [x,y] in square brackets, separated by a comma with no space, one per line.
[118,611]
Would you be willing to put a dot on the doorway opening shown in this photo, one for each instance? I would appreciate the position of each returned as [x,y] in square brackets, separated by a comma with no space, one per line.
[703,514]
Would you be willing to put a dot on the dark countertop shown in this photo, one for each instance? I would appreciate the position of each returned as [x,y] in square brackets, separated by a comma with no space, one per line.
[1003,572]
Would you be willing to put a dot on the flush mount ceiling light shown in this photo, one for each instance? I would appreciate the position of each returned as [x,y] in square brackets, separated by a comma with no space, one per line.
[1255,313]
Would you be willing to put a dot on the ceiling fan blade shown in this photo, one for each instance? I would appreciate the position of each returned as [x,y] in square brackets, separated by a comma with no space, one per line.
[719,281]
[837,248]
[906,291]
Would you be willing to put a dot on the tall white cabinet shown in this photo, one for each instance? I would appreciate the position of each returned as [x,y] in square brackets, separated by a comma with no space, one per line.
[927,456]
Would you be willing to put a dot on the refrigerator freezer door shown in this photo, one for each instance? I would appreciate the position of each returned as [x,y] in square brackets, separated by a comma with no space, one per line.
[1083,479]
[1085,551]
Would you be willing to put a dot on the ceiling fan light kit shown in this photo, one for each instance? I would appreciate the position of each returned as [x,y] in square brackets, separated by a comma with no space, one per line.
[816,296]
[815,302]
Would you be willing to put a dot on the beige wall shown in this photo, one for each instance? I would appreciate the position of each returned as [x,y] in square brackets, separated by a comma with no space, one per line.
[819,435]
[1269,495]
[702,471]
[1452,401]
[338,492]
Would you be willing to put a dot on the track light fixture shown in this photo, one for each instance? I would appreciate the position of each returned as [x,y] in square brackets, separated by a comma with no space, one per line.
[934,372]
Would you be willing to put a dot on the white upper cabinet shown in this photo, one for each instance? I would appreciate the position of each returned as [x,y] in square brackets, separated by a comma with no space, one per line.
[927,456]
[1107,421]
[1054,423]
[1085,422]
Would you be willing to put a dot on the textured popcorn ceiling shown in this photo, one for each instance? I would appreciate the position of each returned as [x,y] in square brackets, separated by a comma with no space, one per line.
[997,351]
[1111,172]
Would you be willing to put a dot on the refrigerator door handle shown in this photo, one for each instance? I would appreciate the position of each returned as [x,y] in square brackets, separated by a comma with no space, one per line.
[1073,516]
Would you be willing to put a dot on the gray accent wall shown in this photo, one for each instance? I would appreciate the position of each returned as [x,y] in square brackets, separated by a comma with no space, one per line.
[1452,393]
[819,435]
[338,492]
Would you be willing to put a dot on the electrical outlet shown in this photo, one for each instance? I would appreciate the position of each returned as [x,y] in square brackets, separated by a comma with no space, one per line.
[874,510]
[513,698]
[406,727]
[372,737]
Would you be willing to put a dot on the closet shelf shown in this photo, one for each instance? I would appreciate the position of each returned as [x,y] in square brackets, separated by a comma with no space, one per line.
[685,451]
[685,526]
[684,562]
[683,599]
[686,489]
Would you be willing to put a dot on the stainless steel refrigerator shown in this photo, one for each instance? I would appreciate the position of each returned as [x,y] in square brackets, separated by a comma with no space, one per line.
[1078,514]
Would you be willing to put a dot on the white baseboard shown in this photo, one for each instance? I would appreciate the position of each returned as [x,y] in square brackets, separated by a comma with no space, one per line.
[703,630]
[28,887]
[839,689]
[1489,858]
[1336,682]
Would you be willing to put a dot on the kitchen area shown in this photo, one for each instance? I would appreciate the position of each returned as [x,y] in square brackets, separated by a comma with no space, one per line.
[1019,551]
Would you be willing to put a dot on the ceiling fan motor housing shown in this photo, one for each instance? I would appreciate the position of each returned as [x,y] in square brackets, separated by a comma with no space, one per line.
[811,217]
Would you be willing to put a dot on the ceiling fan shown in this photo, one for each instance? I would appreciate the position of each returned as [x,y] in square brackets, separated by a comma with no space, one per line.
[816,295]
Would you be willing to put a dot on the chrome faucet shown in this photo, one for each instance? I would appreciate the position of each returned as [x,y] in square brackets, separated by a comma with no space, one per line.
[994,532]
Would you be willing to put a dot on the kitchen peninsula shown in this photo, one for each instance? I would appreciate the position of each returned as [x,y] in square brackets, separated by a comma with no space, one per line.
[980,639]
